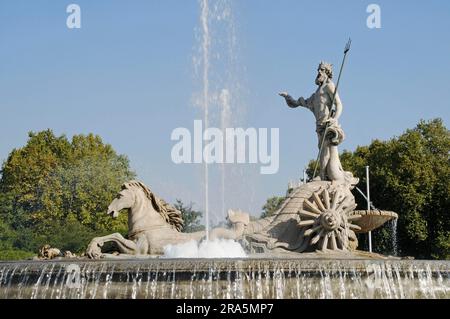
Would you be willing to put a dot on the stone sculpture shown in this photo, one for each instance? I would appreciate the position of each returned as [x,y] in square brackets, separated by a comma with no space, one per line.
[328,130]
[316,216]
[319,215]
[48,252]
[152,224]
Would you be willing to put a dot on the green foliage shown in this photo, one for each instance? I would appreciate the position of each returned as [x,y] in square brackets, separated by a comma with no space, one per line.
[8,238]
[15,254]
[272,205]
[52,185]
[310,169]
[72,236]
[410,175]
[190,216]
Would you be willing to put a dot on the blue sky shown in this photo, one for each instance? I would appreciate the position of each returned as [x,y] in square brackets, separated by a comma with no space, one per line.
[128,76]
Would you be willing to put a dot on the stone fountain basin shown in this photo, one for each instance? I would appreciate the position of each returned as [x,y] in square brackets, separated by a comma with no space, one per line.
[372,219]
[267,277]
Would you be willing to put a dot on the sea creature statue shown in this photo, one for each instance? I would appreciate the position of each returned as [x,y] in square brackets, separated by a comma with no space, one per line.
[48,252]
[152,224]
[314,216]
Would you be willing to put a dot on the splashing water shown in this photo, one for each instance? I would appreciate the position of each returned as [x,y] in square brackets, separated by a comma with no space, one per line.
[227,278]
[220,99]
[393,224]
[225,116]
[205,100]
[218,248]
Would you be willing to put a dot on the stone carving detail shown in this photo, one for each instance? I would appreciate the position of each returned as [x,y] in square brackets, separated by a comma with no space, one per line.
[48,252]
[310,216]
[239,222]
[372,219]
[327,221]
[317,216]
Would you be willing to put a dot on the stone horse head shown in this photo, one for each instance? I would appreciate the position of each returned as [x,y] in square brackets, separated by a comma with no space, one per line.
[142,203]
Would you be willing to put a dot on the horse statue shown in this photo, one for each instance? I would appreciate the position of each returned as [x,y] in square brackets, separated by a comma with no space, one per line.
[152,224]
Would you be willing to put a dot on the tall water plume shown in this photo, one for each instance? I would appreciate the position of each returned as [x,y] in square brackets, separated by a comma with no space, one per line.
[206,41]
[220,99]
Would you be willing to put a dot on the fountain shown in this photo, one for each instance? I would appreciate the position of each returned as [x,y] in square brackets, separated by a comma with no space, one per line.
[307,249]
[219,97]
[260,277]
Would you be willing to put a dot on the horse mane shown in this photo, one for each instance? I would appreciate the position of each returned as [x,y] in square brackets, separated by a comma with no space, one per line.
[170,214]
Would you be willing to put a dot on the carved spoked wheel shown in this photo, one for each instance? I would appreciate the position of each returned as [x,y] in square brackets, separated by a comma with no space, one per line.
[327,221]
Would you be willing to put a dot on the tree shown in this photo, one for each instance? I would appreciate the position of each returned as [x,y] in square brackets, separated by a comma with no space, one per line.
[272,205]
[53,182]
[190,216]
[410,175]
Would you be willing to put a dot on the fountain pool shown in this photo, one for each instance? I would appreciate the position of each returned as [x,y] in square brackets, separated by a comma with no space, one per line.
[249,278]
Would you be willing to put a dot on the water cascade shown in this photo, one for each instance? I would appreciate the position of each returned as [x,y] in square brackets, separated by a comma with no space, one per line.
[231,278]
[393,224]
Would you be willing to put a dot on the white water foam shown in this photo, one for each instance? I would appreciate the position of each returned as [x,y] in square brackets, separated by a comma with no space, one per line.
[218,248]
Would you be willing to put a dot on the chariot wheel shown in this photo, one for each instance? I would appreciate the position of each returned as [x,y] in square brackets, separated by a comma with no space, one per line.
[326,220]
